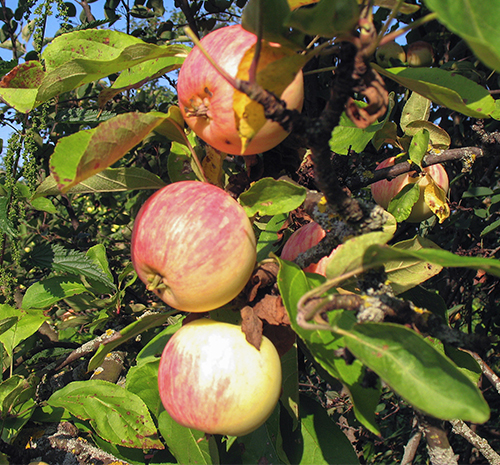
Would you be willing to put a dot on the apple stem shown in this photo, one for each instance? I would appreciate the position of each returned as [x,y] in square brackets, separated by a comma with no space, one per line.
[155,282]
[252,72]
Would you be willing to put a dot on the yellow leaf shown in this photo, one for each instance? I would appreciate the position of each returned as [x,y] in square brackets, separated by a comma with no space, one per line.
[276,70]
[212,166]
[435,198]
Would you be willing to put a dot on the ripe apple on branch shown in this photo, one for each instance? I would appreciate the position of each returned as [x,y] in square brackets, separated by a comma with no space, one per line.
[220,114]
[211,379]
[193,246]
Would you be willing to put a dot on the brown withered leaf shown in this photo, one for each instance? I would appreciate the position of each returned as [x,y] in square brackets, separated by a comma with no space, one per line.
[264,276]
[271,309]
[251,325]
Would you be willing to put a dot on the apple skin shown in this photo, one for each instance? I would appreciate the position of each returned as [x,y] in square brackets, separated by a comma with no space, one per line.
[199,240]
[206,98]
[303,239]
[212,380]
[388,51]
[384,191]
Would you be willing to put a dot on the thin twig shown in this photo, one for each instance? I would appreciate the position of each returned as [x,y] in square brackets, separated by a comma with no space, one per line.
[482,445]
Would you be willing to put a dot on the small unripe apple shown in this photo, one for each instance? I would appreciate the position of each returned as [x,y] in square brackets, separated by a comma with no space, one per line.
[206,98]
[303,239]
[194,246]
[420,54]
[384,191]
[390,54]
[212,380]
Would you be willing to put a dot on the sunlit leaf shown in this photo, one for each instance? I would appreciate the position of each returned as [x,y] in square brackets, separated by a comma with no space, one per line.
[187,445]
[417,372]
[108,180]
[127,420]
[86,153]
[19,87]
[444,88]
[48,291]
[271,197]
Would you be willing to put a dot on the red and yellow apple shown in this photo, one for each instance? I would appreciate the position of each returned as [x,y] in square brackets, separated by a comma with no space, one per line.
[206,98]
[303,239]
[193,245]
[212,380]
[384,191]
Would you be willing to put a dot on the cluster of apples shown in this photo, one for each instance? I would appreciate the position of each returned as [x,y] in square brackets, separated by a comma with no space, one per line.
[194,247]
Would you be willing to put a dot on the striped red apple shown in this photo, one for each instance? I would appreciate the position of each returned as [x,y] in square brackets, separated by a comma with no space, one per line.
[212,380]
[193,245]
[206,98]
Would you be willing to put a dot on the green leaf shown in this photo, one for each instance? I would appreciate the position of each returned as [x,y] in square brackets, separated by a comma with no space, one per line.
[290,394]
[136,76]
[180,163]
[270,15]
[268,239]
[271,197]
[323,441]
[48,291]
[28,323]
[187,445]
[81,155]
[108,180]
[142,380]
[154,348]
[44,205]
[6,323]
[402,204]
[419,146]
[347,136]
[328,18]
[381,254]
[10,389]
[97,254]
[410,272]
[19,87]
[81,57]
[6,226]
[350,255]
[293,284]
[83,116]
[417,108]
[127,333]
[117,415]
[265,443]
[417,372]
[444,88]
[477,23]
[57,258]
[438,137]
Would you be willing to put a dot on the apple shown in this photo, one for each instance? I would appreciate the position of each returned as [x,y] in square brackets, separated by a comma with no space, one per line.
[389,54]
[384,191]
[303,239]
[193,245]
[212,380]
[206,98]
[420,54]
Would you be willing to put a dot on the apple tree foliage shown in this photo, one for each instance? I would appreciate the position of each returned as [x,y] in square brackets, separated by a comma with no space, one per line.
[391,356]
